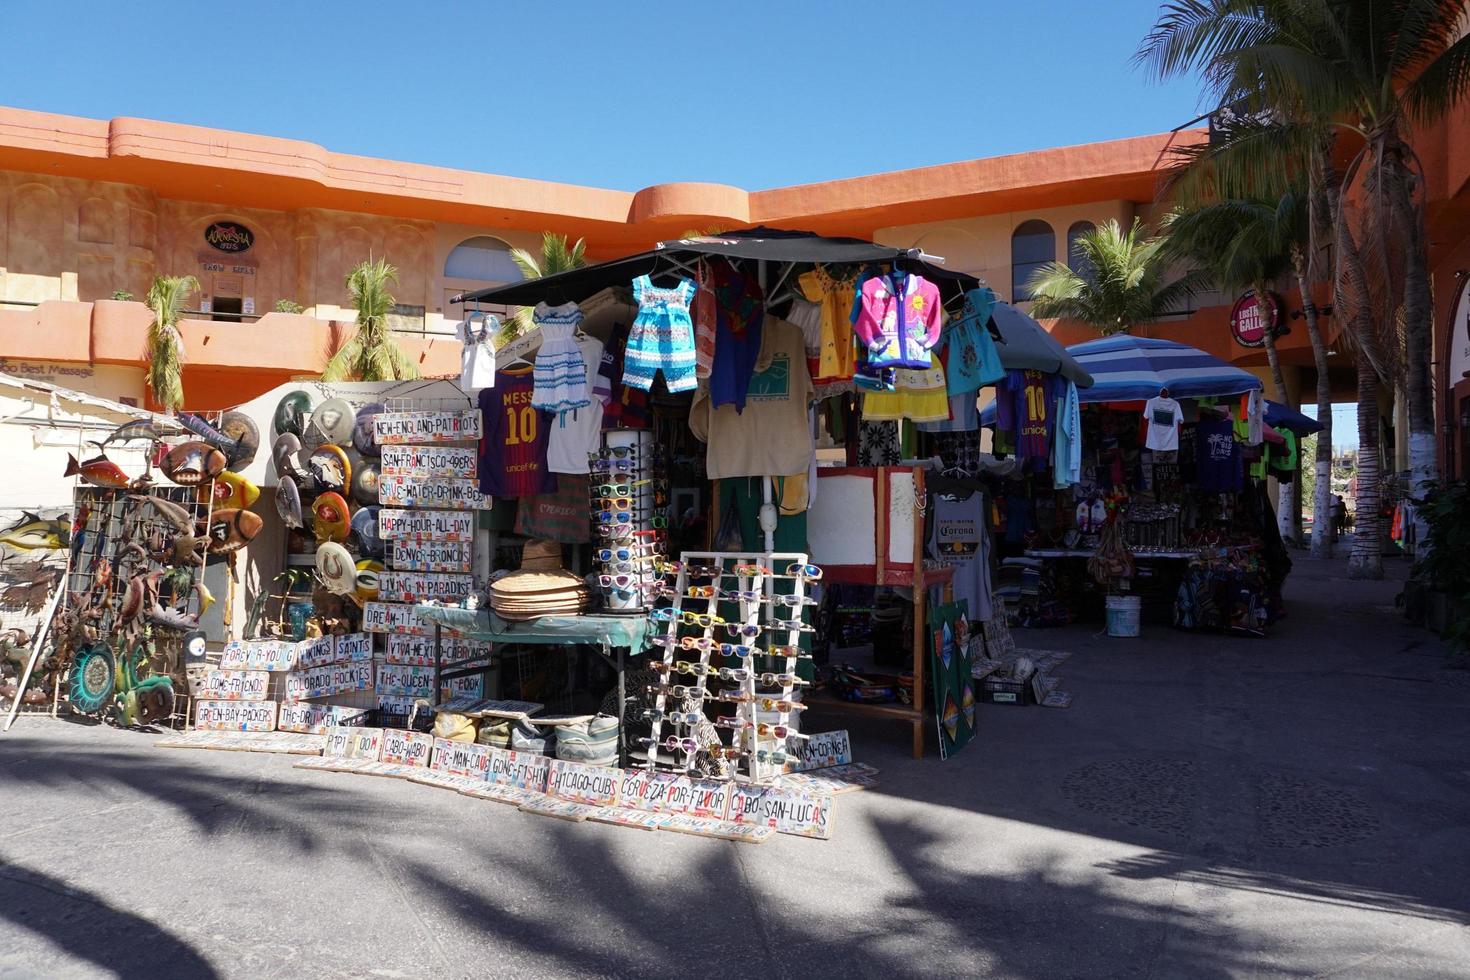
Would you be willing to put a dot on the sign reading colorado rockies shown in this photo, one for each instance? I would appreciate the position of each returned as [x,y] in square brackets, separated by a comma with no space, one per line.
[411,491]
[431,556]
[426,525]
[451,461]
[406,427]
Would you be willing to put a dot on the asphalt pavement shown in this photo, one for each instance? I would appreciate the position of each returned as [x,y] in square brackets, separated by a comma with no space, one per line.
[1296,806]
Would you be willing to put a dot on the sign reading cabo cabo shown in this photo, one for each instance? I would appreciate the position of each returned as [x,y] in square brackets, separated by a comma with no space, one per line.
[426,525]
[406,427]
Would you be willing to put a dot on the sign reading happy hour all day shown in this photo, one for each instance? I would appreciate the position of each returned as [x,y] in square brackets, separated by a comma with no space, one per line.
[431,556]
[426,525]
[453,462]
[414,491]
[418,586]
[409,427]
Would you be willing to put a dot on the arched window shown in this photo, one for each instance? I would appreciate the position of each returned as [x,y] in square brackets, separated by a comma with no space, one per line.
[1077,260]
[1033,245]
[484,258]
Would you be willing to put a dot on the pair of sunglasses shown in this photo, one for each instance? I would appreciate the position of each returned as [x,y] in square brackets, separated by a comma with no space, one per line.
[809,572]
[626,554]
[783,706]
[612,465]
[772,757]
[681,691]
[682,667]
[674,717]
[673,743]
[618,489]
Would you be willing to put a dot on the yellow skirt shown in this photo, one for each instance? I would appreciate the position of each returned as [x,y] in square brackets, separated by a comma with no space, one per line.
[920,395]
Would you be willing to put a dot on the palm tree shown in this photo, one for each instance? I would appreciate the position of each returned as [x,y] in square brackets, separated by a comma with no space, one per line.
[165,345]
[556,256]
[1370,70]
[372,354]
[1122,283]
[1249,243]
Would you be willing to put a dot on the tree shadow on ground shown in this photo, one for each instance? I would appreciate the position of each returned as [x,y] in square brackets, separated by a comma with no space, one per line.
[74,920]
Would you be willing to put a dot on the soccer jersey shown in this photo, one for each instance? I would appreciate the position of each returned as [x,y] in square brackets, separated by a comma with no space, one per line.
[513,448]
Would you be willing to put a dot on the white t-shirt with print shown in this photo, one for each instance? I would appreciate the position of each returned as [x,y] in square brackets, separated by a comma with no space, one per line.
[1164,416]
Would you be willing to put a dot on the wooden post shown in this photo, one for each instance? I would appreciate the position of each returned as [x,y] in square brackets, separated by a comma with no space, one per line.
[920,601]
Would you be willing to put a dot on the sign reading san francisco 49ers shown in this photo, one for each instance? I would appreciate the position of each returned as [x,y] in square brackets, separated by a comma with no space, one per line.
[405,427]
[409,491]
[452,461]
[426,525]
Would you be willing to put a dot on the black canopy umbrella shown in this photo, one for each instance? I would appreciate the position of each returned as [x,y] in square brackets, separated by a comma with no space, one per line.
[760,244]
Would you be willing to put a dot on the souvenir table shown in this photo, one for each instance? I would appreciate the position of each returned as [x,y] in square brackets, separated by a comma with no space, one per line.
[613,638]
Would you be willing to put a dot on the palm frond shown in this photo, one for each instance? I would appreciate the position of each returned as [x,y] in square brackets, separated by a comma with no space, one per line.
[1443,84]
[164,350]
[372,353]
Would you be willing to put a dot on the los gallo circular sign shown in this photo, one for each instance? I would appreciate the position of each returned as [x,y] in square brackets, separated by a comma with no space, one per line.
[1250,317]
[227,236]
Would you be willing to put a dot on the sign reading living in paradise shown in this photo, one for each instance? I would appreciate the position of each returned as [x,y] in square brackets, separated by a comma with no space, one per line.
[421,461]
[431,556]
[408,427]
[426,525]
[418,586]
[436,491]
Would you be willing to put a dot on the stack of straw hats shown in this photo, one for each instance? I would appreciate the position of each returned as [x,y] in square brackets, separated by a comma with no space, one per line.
[541,588]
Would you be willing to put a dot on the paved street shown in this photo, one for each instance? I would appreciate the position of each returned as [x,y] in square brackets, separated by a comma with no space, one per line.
[1208,807]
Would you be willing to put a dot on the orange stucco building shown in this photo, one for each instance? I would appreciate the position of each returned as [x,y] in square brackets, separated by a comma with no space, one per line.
[91,208]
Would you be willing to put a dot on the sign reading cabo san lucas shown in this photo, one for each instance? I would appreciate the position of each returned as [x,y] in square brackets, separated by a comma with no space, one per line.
[406,427]
[426,525]
[449,461]
[410,491]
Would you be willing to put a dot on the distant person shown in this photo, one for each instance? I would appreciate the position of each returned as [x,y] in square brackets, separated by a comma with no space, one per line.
[1339,515]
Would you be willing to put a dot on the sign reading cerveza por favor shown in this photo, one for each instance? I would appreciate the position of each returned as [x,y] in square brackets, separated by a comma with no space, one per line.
[409,427]
[418,586]
[426,525]
[431,491]
[421,461]
[431,556]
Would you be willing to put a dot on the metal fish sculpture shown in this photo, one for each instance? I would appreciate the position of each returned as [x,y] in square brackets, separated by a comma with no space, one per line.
[210,434]
[98,471]
[193,463]
[132,432]
[31,533]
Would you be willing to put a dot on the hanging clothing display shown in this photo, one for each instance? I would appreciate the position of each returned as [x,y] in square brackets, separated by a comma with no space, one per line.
[516,434]
[973,361]
[837,359]
[477,359]
[959,451]
[1163,416]
[900,320]
[740,308]
[561,374]
[1254,409]
[958,537]
[808,316]
[1023,405]
[577,432]
[558,516]
[918,395]
[662,337]
[878,444]
[1067,440]
[1217,456]
[964,416]
[625,408]
[702,313]
[772,437]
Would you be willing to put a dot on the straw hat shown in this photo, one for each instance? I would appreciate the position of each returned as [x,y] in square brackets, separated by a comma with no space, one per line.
[541,554]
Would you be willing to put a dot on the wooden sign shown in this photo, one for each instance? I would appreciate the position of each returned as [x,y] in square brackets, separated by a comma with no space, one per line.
[421,586]
[745,833]
[431,491]
[641,819]
[426,525]
[550,806]
[397,428]
[406,748]
[235,716]
[406,649]
[405,681]
[432,556]
[503,794]
[785,811]
[315,653]
[454,462]
[453,781]
[461,758]
[354,743]
[352,648]
[522,770]
[392,617]
[838,779]
[395,705]
[259,655]
[234,685]
[321,682]
[315,719]
[820,750]
[582,783]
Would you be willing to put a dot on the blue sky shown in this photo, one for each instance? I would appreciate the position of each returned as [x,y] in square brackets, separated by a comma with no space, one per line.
[747,92]
[1344,422]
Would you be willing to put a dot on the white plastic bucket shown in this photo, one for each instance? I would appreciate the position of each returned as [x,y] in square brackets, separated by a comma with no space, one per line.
[1123,615]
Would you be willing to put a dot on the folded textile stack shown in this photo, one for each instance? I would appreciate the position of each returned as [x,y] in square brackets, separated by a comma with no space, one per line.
[527,595]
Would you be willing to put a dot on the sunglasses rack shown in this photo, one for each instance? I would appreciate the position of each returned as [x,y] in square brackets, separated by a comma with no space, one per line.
[627,498]
[739,617]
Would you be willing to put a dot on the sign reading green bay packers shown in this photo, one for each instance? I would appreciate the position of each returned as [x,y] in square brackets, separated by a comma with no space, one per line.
[406,427]
[412,491]
[451,461]
[426,525]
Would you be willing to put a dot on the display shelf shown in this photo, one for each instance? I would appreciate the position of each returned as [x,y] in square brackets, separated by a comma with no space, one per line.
[1084,553]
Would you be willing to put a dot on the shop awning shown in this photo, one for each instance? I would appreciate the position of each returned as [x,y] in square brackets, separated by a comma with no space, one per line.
[1024,344]
[1285,417]
[1126,368]
[759,244]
